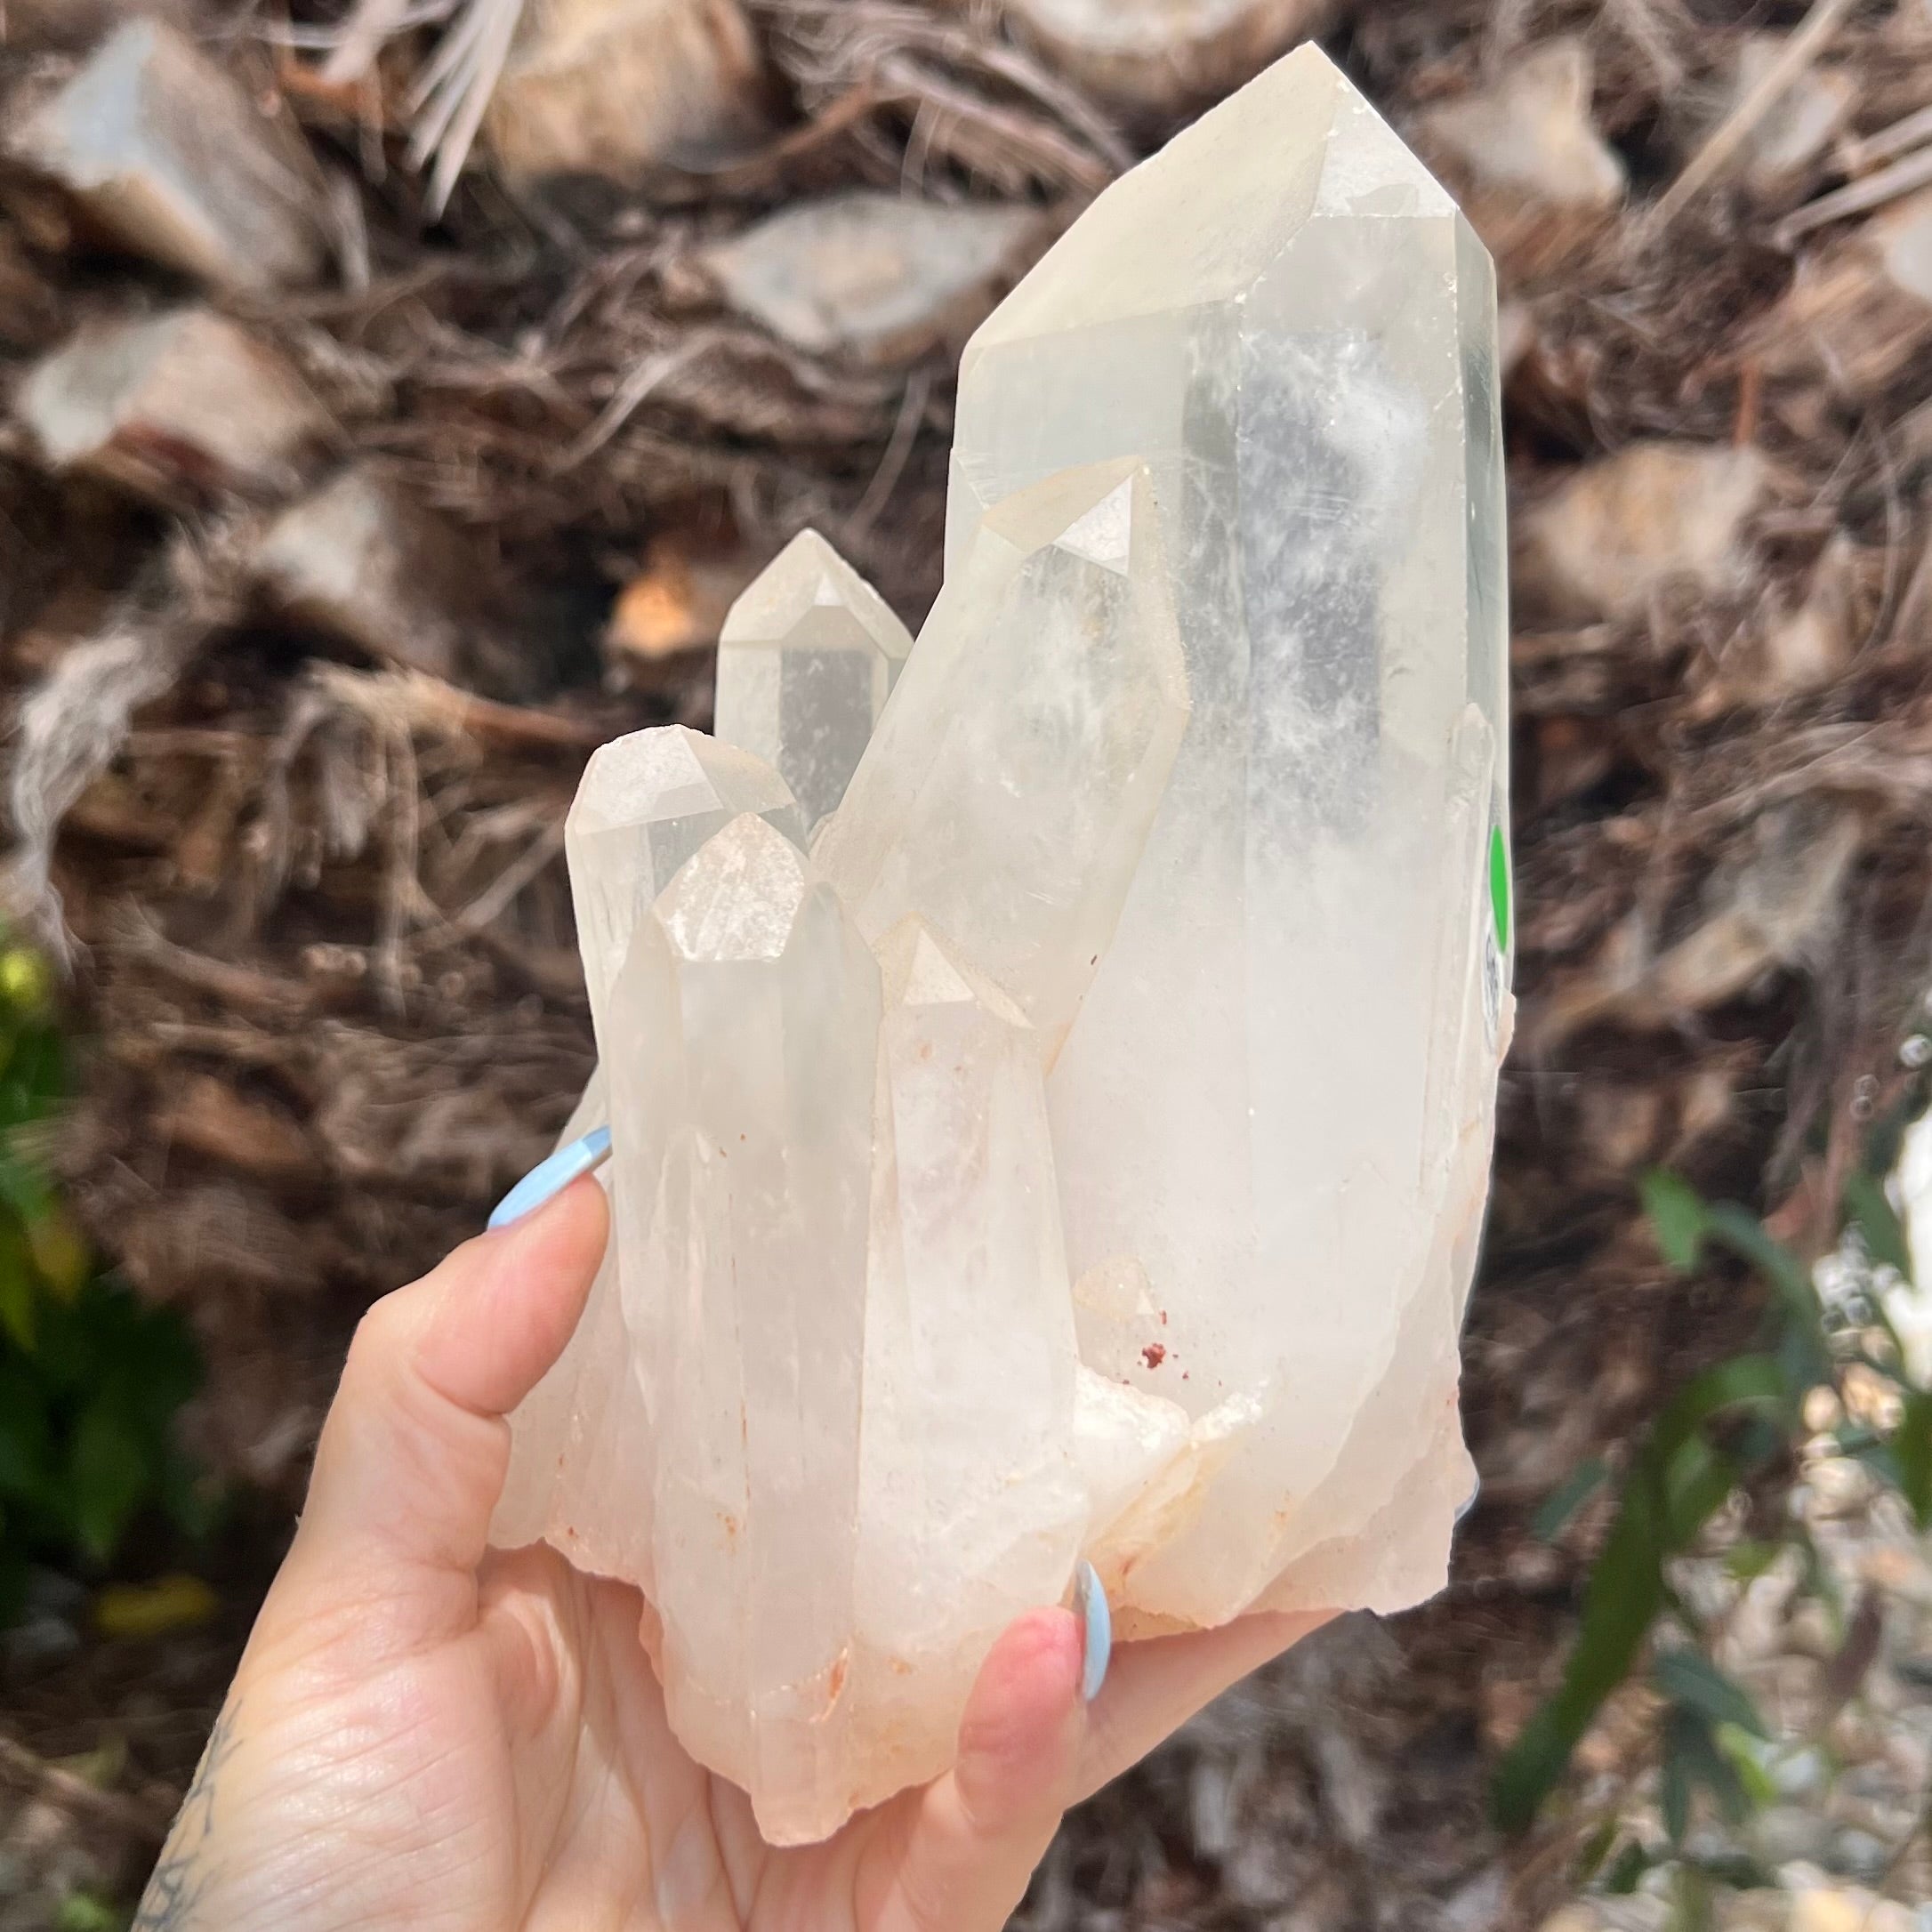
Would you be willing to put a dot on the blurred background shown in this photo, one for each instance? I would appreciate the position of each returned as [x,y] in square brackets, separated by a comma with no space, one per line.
[392,398]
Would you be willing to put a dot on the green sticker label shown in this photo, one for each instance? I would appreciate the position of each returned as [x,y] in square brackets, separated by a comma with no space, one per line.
[1499,886]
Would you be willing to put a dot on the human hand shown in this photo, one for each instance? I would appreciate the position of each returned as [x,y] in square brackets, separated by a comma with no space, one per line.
[427,1733]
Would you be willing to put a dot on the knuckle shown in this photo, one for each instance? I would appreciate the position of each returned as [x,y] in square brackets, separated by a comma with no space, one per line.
[380,1340]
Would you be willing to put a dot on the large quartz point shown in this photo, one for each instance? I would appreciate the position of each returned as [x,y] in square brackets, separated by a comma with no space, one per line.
[806,660]
[1283,1071]
[1082,1152]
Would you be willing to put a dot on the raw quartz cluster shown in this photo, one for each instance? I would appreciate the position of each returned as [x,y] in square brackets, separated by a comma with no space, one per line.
[1078,1147]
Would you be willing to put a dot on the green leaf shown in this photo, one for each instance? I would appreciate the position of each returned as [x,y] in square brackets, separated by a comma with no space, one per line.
[193,1499]
[1747,1561]
[1627,1872]
[1678,1217]
[1745,1381]
[26,1455]
[22,1188]
[1584,1481]
[1529,1769]
[35,1082]
[1687,1677]
[110,1476]
[1597,1847]
[1697,1481]
[1868,1209]
[81,1912]
[1745,1235]
[1694,1742]
[1738,1871]
[1666,1499]
[16,1295]
[1746,1758]
[1624,1595]
[1911,1455]
[1690,1901]
[1675,1786]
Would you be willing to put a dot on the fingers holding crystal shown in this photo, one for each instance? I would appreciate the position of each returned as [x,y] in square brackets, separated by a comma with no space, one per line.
[413,1452]
[977,1833]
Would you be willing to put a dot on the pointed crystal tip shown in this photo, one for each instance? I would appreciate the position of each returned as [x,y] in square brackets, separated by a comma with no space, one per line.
[670,771]
[805,661]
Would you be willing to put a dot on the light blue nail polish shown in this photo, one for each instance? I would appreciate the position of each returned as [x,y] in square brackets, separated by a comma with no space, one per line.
[1469,1500]
[1089,1606]
[552,1177]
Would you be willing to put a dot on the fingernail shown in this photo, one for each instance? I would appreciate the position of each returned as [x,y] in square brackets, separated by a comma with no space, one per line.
[552,1177]
[1089,1606]
[1469,1500]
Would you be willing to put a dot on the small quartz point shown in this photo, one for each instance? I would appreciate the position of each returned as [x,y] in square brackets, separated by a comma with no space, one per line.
[1285,318]
[742,1114]
[806,660]
[1007,796]
[646,804]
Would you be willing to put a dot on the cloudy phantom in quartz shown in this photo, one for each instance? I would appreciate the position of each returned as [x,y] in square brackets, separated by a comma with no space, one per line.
[1082,1151]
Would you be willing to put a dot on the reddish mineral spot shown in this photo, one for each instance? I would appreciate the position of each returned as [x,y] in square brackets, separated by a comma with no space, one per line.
[1154,1355]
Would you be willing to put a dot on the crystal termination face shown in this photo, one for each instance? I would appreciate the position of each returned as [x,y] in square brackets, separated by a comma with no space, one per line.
[1052,1089]
[806,660]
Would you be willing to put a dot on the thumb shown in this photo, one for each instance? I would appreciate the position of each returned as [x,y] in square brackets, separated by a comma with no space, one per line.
[413,1451]
[979,1832]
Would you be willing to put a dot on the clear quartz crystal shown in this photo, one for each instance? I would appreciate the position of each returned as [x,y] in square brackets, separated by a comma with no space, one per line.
[646,803]
[1007,796]
[972,1504]
[1286,320]
[1085,1151]
[742,1103]
[806,659]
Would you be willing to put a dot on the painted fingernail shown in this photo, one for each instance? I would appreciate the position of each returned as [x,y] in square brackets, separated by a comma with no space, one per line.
[1469,1500]
[552,1177]
[1089,1606]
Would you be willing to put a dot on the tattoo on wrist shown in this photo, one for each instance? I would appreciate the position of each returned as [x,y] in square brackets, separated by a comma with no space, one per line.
[184,1870]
